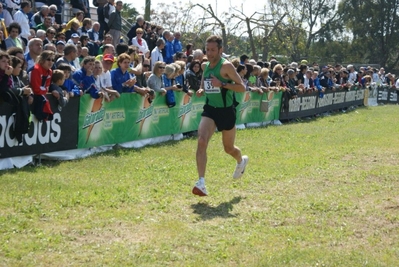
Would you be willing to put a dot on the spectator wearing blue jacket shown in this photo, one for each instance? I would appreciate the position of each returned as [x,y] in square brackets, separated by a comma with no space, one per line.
[122,80]
[85,80]
[168,50]
[317,86]
[177,45]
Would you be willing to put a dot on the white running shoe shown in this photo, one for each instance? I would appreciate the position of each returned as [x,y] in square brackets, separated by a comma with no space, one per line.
[240,168]
[199,189]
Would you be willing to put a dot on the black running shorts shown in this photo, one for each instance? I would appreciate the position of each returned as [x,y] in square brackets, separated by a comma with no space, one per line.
[224,118]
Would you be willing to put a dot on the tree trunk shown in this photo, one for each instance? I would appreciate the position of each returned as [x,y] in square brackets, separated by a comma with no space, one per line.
[265,52]
[147,11]
[251,39]
[224,37]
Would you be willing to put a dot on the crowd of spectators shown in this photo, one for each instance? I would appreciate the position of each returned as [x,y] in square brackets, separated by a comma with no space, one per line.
[41,56]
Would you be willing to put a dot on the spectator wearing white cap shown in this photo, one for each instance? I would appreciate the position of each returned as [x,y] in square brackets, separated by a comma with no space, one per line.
[74,39]
[352,74]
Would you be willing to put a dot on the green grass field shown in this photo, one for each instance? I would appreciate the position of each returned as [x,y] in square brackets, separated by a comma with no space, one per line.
[322,192]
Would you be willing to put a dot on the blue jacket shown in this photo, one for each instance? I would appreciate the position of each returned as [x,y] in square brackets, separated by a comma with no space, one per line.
[117,78]
[318,87]
[86,83]
[168,52]
[177,46]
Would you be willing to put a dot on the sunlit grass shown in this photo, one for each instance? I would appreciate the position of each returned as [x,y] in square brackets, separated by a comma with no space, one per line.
[319,193]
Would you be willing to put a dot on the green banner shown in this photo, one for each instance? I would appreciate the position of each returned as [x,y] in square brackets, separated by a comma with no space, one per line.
[248,109]
[189,113]
[132,117]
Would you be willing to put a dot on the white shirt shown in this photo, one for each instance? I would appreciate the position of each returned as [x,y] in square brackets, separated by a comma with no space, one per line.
[352,77]
[104,80]
[375,77]
[143,47]
[22,19]
[156,55]
[306,82]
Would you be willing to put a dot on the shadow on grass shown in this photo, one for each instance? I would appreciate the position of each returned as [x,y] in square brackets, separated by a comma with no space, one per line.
[223,210]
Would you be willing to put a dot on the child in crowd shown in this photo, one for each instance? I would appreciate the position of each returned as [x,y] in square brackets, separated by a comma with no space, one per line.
[57,80]
[68,85]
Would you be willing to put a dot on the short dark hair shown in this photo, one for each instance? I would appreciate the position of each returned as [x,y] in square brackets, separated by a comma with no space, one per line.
[179,55]
[24,4]
[215,39]
[64,67]
[193,63]
[4,54]
[69,48]
[57,75]
[60,34]
[240,68]
[88,60]
[15,61]
[14,25]
[13,51]
[51,29]
[243,58]
[84,37]
[121,48]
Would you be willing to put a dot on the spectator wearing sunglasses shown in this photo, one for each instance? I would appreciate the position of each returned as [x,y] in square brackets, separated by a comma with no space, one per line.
[50,34]
[142,78]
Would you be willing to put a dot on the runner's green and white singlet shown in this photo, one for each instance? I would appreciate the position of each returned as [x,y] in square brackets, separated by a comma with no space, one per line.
[216,96]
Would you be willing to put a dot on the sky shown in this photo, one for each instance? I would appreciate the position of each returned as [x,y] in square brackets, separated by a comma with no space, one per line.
[219,6]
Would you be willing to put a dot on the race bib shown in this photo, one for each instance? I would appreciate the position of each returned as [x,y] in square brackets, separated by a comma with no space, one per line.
[209,89]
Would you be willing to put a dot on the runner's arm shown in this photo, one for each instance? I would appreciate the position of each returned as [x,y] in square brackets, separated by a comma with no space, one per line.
[231,73]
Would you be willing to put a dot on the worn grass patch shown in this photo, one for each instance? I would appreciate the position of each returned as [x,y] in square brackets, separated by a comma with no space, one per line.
[319,193]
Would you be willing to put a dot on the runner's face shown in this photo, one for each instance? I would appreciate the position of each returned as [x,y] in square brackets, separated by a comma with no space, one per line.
[212,51]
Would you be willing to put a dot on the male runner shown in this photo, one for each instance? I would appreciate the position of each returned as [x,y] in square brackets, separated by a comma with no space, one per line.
[219,82]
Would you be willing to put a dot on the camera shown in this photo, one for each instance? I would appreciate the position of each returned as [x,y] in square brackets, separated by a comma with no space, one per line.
[179,86]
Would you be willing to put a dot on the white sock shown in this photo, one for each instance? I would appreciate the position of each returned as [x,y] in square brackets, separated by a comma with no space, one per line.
[202,179]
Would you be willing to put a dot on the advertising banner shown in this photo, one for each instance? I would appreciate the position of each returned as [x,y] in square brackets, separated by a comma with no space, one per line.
[310,104]
[132,117]
[43,137]
[387,95]
[248,109]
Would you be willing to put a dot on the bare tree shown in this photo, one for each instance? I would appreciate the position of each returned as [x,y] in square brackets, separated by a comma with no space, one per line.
[257,21]
[216,21]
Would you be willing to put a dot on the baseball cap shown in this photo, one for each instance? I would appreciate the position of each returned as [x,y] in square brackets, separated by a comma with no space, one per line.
[108,57]
[75,35]
[61,42]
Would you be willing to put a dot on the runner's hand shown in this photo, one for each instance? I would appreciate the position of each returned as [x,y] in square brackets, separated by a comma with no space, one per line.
[215,81]
[200,92]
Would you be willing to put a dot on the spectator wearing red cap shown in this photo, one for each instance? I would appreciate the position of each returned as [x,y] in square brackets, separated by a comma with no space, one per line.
[103,78]
[103,81]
